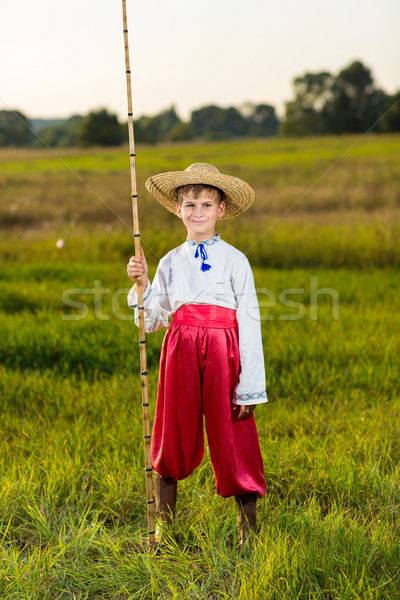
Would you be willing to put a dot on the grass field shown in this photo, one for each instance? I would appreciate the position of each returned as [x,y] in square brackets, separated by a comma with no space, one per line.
[72,508]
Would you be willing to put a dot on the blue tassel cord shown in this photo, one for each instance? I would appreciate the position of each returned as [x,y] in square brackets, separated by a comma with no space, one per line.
[204,256]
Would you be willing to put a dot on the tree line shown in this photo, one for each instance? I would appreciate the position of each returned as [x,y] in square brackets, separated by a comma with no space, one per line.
[323,103]
[349,102]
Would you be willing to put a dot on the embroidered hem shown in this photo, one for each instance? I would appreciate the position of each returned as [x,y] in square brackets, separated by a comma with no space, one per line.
[144,297]
[250,397]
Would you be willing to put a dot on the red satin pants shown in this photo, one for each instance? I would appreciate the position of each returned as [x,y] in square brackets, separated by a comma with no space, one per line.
[199,370]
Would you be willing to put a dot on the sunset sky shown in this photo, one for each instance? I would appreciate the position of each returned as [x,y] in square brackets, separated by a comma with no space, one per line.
[60,58]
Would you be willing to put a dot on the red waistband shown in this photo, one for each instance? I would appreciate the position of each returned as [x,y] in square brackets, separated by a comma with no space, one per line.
[206,315]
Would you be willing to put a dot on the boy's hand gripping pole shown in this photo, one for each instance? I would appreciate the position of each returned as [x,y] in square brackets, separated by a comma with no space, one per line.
[142,335]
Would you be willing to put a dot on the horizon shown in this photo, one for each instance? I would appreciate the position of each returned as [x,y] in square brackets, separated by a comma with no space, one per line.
[72,60]
[281,115]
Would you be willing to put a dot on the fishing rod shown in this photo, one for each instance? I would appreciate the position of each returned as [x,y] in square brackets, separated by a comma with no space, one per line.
[139,286]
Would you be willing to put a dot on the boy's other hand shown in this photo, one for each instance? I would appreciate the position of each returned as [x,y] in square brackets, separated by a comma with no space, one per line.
[244,412]
[137,267]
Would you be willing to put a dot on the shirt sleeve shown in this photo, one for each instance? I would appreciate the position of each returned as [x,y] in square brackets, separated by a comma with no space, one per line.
[156,303]
[250,388]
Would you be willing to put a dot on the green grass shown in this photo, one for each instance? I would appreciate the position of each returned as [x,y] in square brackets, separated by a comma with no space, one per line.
[320,202]
[72,487]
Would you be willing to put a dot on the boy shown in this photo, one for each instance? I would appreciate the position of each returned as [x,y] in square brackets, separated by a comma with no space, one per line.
[212,358]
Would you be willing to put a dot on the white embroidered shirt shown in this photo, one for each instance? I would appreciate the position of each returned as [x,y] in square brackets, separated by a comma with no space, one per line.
[183,277]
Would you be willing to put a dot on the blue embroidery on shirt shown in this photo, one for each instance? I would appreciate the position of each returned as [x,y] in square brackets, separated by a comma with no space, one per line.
[144,298]
[209,242]
[249,397]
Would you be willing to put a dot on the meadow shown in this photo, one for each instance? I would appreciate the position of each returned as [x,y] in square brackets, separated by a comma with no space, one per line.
[323,238]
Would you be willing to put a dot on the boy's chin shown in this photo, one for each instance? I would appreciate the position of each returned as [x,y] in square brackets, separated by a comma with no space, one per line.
[201,231]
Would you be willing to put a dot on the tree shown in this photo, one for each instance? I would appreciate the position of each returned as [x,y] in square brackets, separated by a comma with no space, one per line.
[391,113]
[156,129]
[180,132]
[101,128]
[308,113]
[356,100]
[15,129]
[346,103]
[215,123]
[65,134]
[262,120]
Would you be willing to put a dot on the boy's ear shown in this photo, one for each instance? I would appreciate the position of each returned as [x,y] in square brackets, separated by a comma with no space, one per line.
[221,209]
[179,210]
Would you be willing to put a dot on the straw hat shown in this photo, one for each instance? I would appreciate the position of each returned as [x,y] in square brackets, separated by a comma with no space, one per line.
[238,195]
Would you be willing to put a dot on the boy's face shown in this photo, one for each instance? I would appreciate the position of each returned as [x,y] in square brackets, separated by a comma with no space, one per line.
[200,215]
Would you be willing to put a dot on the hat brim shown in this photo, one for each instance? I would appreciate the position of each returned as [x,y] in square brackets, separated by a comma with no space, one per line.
[239,195]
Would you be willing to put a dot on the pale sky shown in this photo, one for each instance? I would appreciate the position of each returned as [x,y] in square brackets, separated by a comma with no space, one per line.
[60,58]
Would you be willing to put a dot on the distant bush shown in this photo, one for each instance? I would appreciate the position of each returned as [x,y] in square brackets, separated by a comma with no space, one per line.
[64,134]
[151,130]
[15,129]
[101,128]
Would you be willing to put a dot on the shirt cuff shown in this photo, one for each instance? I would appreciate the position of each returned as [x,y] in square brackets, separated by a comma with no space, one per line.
[132,296]
[253,398]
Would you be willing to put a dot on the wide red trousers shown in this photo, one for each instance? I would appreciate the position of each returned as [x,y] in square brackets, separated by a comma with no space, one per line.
[199,369]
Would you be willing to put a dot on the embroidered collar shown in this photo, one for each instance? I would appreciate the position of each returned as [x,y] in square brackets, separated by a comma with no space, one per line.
[201,251]
[210,242]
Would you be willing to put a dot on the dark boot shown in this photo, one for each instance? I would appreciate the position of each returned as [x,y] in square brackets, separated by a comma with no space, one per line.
[165,492]
[246,516]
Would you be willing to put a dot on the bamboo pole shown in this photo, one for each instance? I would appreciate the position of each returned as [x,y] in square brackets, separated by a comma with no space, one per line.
[142,334]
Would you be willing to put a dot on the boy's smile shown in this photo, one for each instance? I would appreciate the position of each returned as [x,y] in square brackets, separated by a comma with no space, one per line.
[200,215]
